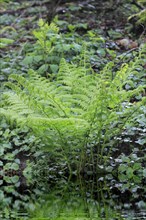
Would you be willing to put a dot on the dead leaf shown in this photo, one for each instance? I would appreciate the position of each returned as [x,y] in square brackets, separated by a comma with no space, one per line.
[127,44]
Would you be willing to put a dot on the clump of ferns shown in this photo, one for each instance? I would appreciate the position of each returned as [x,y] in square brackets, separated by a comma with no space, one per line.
[76,111]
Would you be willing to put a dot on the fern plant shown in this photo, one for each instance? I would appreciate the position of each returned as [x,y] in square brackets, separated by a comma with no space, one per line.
[77,110]
[140,17]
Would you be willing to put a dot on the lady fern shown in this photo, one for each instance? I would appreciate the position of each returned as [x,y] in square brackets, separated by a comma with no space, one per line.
[78,109]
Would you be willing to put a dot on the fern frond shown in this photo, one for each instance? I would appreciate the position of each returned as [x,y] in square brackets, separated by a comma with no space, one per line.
[75,107]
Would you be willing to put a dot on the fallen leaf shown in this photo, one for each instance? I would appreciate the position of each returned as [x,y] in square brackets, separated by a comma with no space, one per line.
[127,44]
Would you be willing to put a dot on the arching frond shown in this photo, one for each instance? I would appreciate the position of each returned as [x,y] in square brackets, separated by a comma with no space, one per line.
[76,106]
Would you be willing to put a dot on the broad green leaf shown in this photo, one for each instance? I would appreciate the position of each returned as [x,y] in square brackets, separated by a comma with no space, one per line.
[122,168]
[54,68]
[43,69]
[28,60]
[129,172]
[137,166]
[15,179]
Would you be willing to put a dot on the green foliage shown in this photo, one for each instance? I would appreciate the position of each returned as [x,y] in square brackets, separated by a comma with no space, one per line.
[4,1]
[48,49]
[140,17]
[80,115]
[131,169]
[51,46]
[77,109]
[16,148]
[5,41]
[131,173]
[142,2]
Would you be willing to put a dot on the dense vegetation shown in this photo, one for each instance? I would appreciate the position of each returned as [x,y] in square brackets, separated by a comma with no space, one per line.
[72,105]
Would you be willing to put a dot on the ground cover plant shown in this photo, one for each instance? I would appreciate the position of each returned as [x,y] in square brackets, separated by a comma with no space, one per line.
[16,160]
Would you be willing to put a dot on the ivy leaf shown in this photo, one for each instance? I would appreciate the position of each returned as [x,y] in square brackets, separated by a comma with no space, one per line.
[137,166]
[129,172]
[15,166]
[122,168]
[137,179]
[123,177]
[14,179]
[12,166]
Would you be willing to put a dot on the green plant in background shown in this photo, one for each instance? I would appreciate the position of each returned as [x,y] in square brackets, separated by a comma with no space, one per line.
[45,57]
[5,41]
[79,109]
[140,17]
[16,150]
[45,36]
[142,2]
[4,1]
[131,173]
[131,169]
[51,46]
[48,49]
